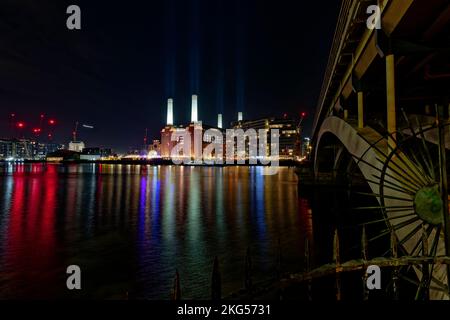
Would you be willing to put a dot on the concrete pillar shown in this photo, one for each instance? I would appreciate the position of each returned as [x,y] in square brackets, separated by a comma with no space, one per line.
[194,109]
[219,121]
[360,109]
[170,112]
[390,97]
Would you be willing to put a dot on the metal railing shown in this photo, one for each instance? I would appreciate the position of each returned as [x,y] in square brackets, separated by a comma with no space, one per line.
[333,271]
[250,288]
[394,262]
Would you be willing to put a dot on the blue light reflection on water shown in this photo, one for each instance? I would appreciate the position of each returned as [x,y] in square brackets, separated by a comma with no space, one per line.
[150,221]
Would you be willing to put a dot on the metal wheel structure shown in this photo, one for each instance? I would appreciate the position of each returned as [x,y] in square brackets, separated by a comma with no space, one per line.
[410,184]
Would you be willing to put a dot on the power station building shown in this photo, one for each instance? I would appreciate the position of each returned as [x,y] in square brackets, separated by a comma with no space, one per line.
[195,126]
[289,134]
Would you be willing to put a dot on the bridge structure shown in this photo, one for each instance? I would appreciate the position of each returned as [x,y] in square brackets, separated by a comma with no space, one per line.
[383,116]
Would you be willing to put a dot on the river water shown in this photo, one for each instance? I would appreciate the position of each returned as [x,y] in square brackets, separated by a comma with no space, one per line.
[129,228]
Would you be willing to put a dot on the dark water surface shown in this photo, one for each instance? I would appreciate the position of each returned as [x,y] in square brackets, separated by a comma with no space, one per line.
[130,228]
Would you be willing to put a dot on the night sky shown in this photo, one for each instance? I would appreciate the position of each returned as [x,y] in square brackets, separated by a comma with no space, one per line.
[257,56]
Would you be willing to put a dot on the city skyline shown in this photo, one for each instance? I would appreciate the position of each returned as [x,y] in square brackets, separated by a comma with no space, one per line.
[224,151]
[249,53]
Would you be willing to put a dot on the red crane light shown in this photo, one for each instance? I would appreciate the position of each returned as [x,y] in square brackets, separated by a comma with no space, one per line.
[20,125]
[303,114]
[51,121]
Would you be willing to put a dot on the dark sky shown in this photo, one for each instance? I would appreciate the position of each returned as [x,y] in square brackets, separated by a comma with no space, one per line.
[257,56]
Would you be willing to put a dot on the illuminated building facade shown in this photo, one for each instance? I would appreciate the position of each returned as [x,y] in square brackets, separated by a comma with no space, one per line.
[76,146]
[195,126]
[289,148]
[287,129]
[18,149]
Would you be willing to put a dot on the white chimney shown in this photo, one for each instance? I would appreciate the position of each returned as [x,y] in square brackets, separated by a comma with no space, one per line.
[239,116]
[219,121]
[170,112]
[194,111]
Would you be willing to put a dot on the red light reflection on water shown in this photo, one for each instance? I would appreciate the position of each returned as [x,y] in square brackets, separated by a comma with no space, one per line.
[306,222]
[31,243]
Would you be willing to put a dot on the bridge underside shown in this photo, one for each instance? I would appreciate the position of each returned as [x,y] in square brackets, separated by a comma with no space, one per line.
[373,75]
[382,89]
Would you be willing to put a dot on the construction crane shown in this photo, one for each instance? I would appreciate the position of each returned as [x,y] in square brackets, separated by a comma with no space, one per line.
[298,142]
[146,138]
[302,117]
[75,131]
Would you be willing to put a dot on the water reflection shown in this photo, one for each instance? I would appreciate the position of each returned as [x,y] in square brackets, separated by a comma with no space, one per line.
[131,227]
